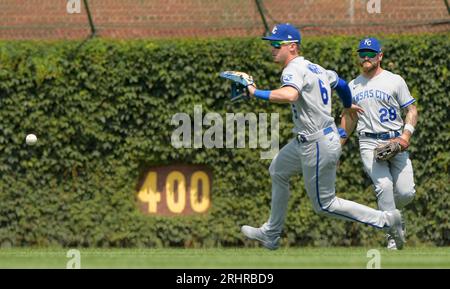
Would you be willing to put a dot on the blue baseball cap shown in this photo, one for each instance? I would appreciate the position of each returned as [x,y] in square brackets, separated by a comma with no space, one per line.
[284,32]
[370,44]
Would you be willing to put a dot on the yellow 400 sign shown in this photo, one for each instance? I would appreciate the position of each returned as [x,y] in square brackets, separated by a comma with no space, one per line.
[175,190]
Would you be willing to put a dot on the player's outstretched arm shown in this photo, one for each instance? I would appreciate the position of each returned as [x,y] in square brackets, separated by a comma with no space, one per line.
[285,94]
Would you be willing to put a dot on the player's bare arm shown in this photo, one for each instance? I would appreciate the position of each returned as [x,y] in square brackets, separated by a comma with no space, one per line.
[349,119]
[285,94]
[410,122]
[350,113]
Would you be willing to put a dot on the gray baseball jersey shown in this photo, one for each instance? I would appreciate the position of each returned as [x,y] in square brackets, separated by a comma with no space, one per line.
[382,99]
[312,111]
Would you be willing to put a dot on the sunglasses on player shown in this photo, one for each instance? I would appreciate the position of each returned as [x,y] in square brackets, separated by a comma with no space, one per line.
[278,44]
[370,54]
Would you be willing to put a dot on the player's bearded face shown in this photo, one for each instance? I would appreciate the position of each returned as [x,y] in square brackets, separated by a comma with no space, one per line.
[370,64]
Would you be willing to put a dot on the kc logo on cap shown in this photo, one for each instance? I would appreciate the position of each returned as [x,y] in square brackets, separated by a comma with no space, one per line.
[370,43]
[284,32]
[274,30]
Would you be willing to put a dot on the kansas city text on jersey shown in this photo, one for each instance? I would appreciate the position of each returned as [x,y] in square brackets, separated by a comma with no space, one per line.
[372,94]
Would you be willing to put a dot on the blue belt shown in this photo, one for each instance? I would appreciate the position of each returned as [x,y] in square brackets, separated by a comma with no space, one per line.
[382,136]
[302,138]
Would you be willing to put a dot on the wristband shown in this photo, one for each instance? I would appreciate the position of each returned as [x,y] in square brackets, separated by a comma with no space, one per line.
[342,132]
[263,94]
[409,127]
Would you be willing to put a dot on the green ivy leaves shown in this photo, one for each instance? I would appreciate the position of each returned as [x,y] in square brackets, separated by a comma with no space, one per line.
[102,114]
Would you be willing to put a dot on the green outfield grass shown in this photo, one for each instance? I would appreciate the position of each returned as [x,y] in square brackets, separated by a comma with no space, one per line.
[258,258]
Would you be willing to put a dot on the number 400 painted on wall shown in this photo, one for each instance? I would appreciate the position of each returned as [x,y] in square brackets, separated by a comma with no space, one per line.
[175,192]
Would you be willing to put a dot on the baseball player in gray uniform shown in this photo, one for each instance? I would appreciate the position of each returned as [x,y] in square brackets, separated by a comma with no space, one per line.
[383,95]
[316,148]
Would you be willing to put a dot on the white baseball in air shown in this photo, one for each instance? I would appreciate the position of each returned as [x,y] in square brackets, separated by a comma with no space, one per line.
[31,139]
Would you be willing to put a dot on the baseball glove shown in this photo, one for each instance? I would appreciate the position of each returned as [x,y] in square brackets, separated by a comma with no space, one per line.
[240,81]
[386,151]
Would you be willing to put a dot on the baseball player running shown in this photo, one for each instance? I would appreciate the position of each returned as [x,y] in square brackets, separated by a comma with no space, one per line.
[316,148]
[383,95]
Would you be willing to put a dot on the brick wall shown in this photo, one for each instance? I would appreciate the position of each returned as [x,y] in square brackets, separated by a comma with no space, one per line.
[48,19]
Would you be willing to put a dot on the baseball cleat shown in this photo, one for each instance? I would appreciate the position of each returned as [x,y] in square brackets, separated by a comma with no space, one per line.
[396,230]
[391,243]
[256,234]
